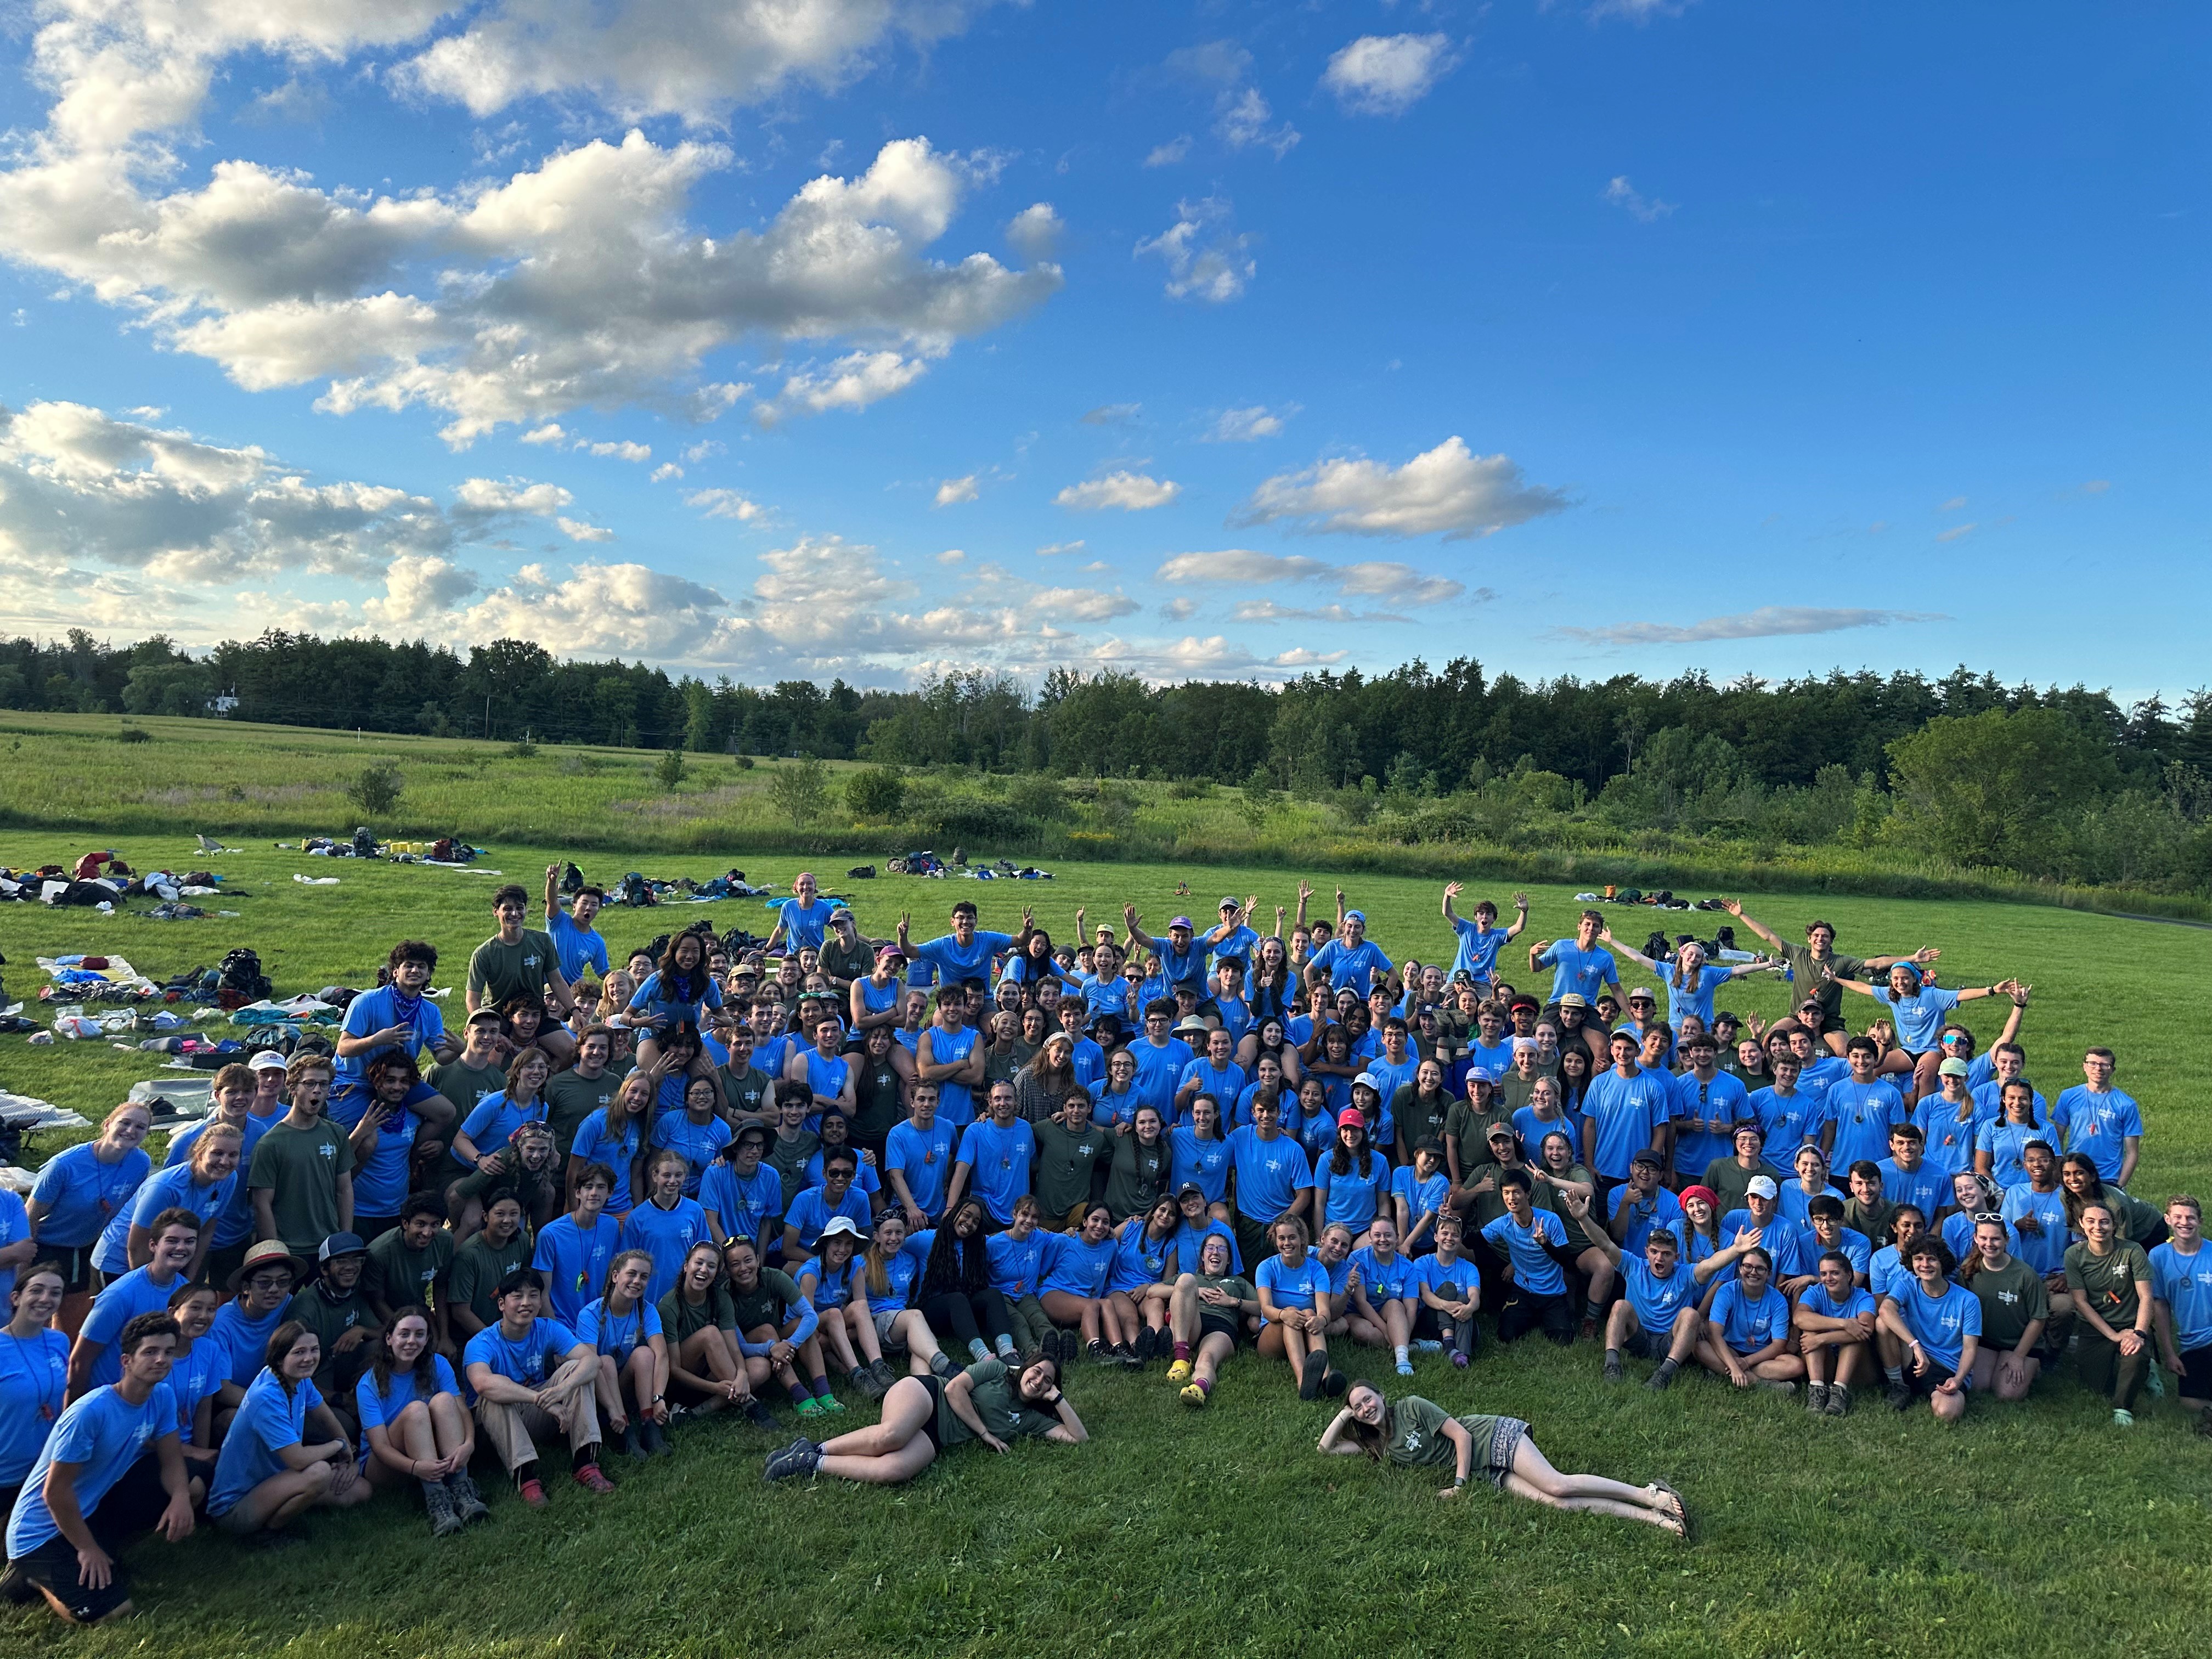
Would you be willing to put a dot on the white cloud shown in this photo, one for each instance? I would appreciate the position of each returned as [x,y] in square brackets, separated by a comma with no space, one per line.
[1132,492]
[951,556]
[1034,232]
[1244,426]
[705,449]
[723,504]
[550,432]
[1955,532]
[1167,155]
[953,491]
[1057,548]
[482,497]
[1205,259]
[418,587]
[1241,114]
[601,610]
[1266,610]
[1767,621]
[1643,209]
[1242,121]
[665,471]
[1387,74]
[623,450]
[851,383]
[1112,414]
[1637,11]
[1447,491]
[1368,579]
[576,531]
[1954,504]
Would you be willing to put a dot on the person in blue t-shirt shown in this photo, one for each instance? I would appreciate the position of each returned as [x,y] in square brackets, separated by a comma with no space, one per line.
[1583,968]
[964,955]
[1917,1011]
[95,1358]
[575,1251]
[396,1015]
[413,1424]
[2181,1304]
[802,921]
[1746,1334]
[1938,1325]
[1626,1111]
[623,1329]
[1531,1241]
[94,1483]
[269,1472]
[1351,959]
[1296,1305]
[1384,1294]
[1834,1321]
[2099,1122]
[995,1155]
[1481,939]
[676,999]
[577,941]
[1858,1111]
[534,1378]
[1658,1317]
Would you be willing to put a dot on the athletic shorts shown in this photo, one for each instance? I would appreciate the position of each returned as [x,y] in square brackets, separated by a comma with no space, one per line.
[886,1318]
[52,1566]
[1640,1344]
[2196,1373]
[1933,1378]
[936,1387]
[75,1261]
[1211,1324]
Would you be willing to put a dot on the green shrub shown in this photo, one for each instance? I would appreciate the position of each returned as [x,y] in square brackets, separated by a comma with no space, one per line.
[375,789]
[875,793]
[670,770]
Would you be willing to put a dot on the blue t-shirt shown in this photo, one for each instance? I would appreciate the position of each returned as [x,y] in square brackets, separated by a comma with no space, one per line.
[1293,1287]
[1532,1129]
[617,1335]
[1018,1264]
[123,1301]
[998,1161]
[2005,1142]
[811,1211]
[494,1120]
[380,1408]
[1205,1161]
[380,1011]
[804,926]
[1783,1239]
[1355,1198]
[1788,1121]
[1139,1259]
[1389,1075]
[1661,1209]
[2098,1125]
[1270,1174]
[1863,1113]
[1074,1264]
[1924,1187]
[1573,969]
[104,1434]
[667,1236]
[235,1224]
[1626,1111]
[655,1001]
[1226,1086]
[1190,1246]
[1352,965]
[958,962]
[82,1195]
[1941,1324]
[1946,1144]
[1919,1017]
[1682,1002]
[1395,1280]
[528,1359]
[595,1145]
[2184,1283]
[900,1272]
[1478,949]
[1747,1325]
[1533,1268]
[701,1144]
[574,1262]
[833,1288]
[1422,1196]
[2044,1250]
[172,1189]
[1159,1070]
[1436,1273]
[1815,1298]
[193,1376]
[956,1101]
[1104,996]
[1725,1098]
[246,1340]
[578,948]
[1855,1247]
[33,1378]
[269,1419]
[1240,942]
[925,1157]
[743,1204]
[1656,1302]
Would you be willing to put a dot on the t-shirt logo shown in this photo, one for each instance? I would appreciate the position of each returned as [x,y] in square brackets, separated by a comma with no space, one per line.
[1413,1440]
[330,1153]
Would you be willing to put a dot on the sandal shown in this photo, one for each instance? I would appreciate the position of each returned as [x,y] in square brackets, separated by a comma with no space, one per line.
[1681,1507]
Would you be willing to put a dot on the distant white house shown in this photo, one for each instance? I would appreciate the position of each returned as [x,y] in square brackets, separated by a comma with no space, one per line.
[224,703]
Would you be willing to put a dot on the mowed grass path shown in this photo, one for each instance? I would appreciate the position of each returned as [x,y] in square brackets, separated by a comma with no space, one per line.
[2026,1529]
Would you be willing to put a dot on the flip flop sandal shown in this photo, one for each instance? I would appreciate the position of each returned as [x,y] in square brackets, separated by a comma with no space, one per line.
[1681,1507]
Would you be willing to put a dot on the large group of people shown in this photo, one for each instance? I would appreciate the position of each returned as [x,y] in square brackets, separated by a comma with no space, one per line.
[940,1174]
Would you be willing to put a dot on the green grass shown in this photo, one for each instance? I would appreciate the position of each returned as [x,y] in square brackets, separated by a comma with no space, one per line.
[2028,1530]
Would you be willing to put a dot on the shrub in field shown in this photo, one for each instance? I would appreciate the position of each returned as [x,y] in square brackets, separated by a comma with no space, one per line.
[875,795]
[801,790]
[1037,796]
[375,789]
[671,770]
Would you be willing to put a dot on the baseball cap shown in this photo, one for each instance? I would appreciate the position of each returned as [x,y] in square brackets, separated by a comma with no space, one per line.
[1639,995]
[1482,1074]
[1351,1115]
[1955,1068]
[1574,1000]
[339,1244]
[1188,1187]
[1228,904]
[1646,1155]
[1505,1129]
[267,1060]
[1182,922]
[1760,1186]
[840,1224]
[891,953]
[1366,1080]
[1355,915]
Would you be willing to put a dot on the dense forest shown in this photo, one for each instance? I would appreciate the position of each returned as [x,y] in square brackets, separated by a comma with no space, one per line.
[2054,784]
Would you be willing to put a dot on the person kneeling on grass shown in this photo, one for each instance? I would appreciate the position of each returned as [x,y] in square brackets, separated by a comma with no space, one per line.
[1414,1433]
[925,1414]
[1657,1316]
[1526,1236]
[533,1376]
[1834,1320]
[2110,1280]
[1746,1334]
[269,1472]
[1208,1312]
[414,1426]
[96,1483]
[624,1330]
[1938,1325]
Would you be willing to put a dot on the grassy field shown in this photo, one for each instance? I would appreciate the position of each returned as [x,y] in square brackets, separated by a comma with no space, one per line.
[2028,1529]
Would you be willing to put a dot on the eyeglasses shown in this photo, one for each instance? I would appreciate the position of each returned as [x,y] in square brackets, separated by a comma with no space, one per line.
[1956,1037]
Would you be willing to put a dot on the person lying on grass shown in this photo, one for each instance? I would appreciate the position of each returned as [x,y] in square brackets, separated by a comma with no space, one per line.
[923,1415]
[1413,1433]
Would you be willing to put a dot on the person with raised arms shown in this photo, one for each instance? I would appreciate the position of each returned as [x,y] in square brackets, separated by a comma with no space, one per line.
[396,1015]
[1658,1317]
[1834,1320]
[965,956]
[578,945]
[1480,940]
[1414,1433]
[1918,1010]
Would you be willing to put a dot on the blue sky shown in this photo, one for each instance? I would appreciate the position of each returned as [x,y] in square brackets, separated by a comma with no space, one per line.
[867,336]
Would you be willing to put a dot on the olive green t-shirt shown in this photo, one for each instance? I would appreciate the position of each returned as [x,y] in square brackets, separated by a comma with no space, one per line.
[1139,1175]
[681,1320]
[2013,1298]
[746,1091]
[997,1402]
[876,1110]
[465,1084]
[395,1275]
[2107,1283]
[1418,1119]
[330,1320]
[789,1159]
[1234,1285]
[1067,1166]
[1471,1128]
[301,1167]
[1418,1439]
[1732,1182]
[479,1265]
[1818,979]
[770,1303]
[498,971]
[570,1097]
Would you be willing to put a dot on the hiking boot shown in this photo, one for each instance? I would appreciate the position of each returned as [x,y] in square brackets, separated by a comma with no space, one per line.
[590,1480]
[631,1443]
[864,1378]
[1147,1345]
[1816,1398]
[757,1413]
[1899,1397]
[1839,1400]
[468,1502]
[799,1458]
[882,1371]
[1660,1381]
[1613,1368]
[439,1503]
[655,1438]
[1589,1332]
[941,1365]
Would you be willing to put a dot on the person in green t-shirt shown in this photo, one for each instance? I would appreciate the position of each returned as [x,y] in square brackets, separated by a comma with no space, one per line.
[1071,1149]
[330,1305]
[588,1086]
[1207,1315]
[749,1092]
[301,1174]
[922,1414]
[408,1265]
[2109,1278]
[478,1070]
[1814,967]
[878,1090]
[473,1282]
[1417,1434]
[521,962]
[2016,1309]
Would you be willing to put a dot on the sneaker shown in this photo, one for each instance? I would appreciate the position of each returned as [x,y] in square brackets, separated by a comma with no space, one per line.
[1660,1381]
[1816,1398]
[1404,1368]
[655,1438]
[16,1591]
[1613,1368]
[1459,1360]
[590,1480]
[1193,1396]
[2124,1419]
[759,1414]
[1773,1385]
[941,1365]
[1839,1400]
[882,1371]
[864,1378]
[1428,1345]
[439,1503]
[1125,1355]
[1334,1383]
[468,1502]
[1147,1345]
[533,1493]
[1179,1373]
[632,1444]
[1310,1374]
[1899,1397]
[799,1458]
